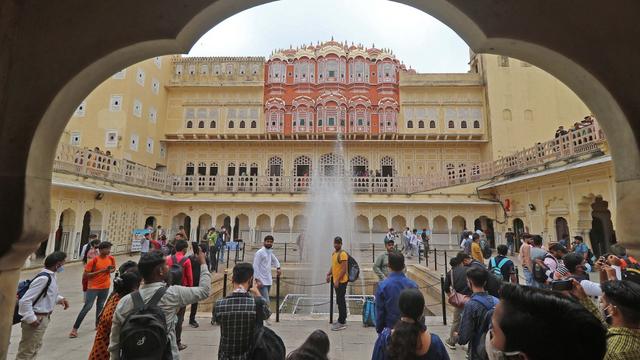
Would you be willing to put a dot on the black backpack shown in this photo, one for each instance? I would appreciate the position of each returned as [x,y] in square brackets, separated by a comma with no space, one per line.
[176,270]
[267,345]
[353,269]
[540,270]
[486,250]
[144,332]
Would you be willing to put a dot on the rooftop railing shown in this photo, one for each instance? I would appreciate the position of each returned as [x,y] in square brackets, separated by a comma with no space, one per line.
[91,164]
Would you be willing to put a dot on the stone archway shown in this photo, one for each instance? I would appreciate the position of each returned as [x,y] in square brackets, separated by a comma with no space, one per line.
[39,101]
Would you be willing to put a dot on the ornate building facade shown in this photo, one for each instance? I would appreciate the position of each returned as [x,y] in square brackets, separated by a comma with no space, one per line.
[209,141]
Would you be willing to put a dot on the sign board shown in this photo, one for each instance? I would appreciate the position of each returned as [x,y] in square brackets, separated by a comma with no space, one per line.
[138,236]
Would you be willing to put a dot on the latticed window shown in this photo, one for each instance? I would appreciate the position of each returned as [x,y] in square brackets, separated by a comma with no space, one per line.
[213,169]
[331,165]
[388,166]
[190,169]
[275,166]
[202,168]
[451,171]
[359,164]
[302,165]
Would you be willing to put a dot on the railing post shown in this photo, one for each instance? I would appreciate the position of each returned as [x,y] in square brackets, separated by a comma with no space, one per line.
[445,260]
[224,284]
[435,259]
[426,258]
[517,276]
[331,301]
[278,298]
[442,298]
[285,252]
[373,252]
[244,245]
[228,253]
[419,256]
[235,260]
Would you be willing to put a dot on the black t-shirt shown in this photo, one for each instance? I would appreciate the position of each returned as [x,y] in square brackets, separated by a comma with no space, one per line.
[506,269]
[493,284]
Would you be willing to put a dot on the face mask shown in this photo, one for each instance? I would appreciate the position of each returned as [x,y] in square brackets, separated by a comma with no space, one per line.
[60,269]
[495,354]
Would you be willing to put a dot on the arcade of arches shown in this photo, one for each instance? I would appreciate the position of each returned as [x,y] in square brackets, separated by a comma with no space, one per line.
[38,99]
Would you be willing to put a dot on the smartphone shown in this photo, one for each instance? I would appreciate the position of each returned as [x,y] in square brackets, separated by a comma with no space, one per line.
[561,285]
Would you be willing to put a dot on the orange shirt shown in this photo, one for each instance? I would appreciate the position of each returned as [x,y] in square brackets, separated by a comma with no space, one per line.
[102,280]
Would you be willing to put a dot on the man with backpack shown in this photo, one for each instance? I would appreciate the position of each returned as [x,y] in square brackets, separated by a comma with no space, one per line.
[388,292]
[240,315]
[181,273]
[501,266]
[149,314]
[476,315]
[339,273]
[37,303]
[538,255]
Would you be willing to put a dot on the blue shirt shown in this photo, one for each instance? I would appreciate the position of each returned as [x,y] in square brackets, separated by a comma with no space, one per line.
[581,249]
[436,351]
[387,311]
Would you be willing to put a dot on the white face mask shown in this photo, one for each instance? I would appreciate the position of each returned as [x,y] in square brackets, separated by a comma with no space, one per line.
[495,354]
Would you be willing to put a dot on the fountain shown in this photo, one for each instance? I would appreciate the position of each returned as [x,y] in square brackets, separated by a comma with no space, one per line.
[329,213]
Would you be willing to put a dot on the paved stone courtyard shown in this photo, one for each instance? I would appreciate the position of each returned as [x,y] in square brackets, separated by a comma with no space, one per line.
[354,343]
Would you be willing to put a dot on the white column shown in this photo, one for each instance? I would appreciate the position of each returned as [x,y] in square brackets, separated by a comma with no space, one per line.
[74,236]
[450,239]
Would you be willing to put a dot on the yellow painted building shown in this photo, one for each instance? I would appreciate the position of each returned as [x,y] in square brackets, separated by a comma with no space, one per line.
[191,144]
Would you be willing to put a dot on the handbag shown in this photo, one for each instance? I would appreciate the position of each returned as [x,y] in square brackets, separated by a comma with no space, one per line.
[455,298]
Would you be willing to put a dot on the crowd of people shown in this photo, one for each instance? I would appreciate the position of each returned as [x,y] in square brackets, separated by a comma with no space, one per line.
[585,122]
[494,316]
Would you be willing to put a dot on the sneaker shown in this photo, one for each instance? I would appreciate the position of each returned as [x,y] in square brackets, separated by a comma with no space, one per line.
[181,347]
[450,346]
[194,324]
[337,326]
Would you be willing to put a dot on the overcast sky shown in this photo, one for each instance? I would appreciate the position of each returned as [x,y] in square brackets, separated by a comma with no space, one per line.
[415,37]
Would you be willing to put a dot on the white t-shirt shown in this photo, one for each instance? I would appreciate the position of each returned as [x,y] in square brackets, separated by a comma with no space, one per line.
[414,240]
[144,246]
[263,262]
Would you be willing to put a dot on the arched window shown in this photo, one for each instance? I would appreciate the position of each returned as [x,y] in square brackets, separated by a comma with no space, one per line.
[451,172]
[463,124]
[200,124]
[202,168]
[302,166]
[212,124]
[242,124]
[359,165]
[506,115]
[275,166]
[451,125]
[190,169]
[254,124]
[432,124]
[213,169]
[231,125]
[410,124]
[421,124]
[331,164]
[476,124]
[189,124]
[387,166]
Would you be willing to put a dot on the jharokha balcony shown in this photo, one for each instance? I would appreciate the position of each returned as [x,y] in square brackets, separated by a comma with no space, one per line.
[573,146]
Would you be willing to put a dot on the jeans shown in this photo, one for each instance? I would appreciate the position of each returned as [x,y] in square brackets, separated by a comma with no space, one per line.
[92,294]
[180,316]
[528,276]
[264,291]
[341,292]
[192,313]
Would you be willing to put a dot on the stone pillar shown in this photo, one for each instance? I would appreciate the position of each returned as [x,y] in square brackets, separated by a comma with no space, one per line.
[450,239]
[628,198]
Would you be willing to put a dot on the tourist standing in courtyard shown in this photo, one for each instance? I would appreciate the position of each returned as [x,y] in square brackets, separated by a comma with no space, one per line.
[128,281]
[409,338]
[501,266]
[473,322]
[98,271]
[240,314]
[339,274]
[388,292]
[525,258]
[391,235]
[180,258]
[263,261]
[37,304]
[154,270]
[510,236]
[381,266]
[476,251]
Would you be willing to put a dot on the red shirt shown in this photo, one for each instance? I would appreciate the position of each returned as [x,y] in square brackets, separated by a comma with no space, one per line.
[156,245]
[187,274]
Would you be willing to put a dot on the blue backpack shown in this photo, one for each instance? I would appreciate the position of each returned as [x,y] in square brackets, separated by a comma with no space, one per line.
[369,313]
[23,286]
[496,269]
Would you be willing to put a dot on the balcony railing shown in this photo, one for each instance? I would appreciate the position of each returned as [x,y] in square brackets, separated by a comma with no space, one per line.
[90,164]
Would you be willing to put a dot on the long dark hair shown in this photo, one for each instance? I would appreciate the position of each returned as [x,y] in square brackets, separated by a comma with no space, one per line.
[127,282]
[405,339]
[316,347]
